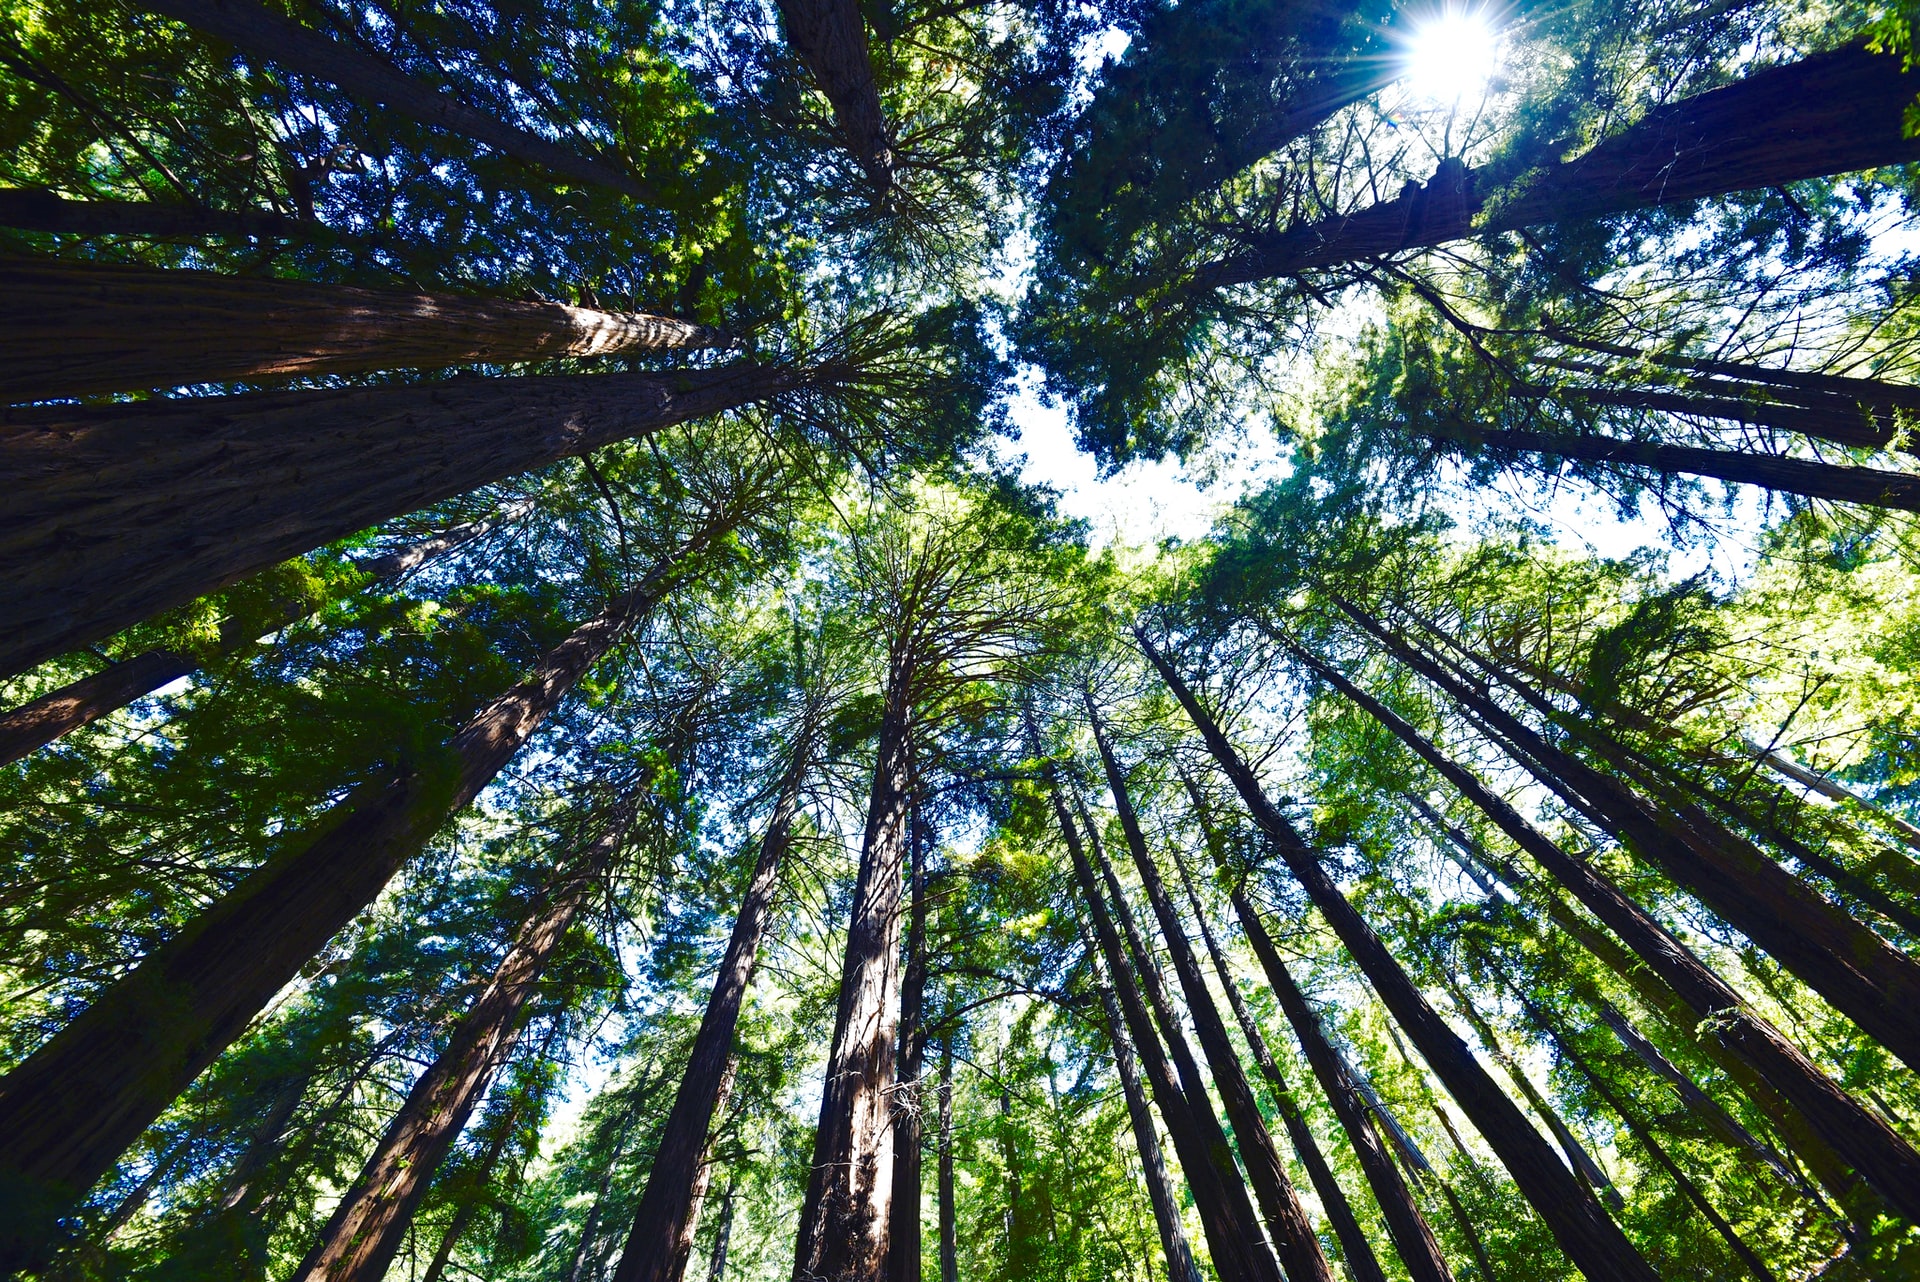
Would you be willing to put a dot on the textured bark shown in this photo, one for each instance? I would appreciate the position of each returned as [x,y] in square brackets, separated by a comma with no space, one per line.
[831,41]
[903,1238]
[682,1251]
[1885,1160]
[1864,977]
[1592,1241]
[117,513]
[36,209]
[463,1217]
[722,1234]
[361,74]
[1288,1227]
[371,1222]
[948,1214]
[1832,113]
[35,725]
[666,1205]
[71,328]
[845,1219]
[72,1107]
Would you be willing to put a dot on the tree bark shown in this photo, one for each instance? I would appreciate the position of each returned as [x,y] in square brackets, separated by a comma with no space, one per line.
[34,725]
[71,328]
[682,1249]
[463,1216]
[1832,113]
[723,1233]
[360,74]
[120,512]
[36,209]
[1784,765]
[1878,1153]
[831,40]
[1592,1241]
[949,1230]
[844,1222]
[1287,1225]
[1855,424]
[72,1107]
[666,1205]
[903,1237]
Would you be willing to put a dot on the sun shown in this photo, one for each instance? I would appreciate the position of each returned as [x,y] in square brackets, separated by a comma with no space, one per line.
[1450,56]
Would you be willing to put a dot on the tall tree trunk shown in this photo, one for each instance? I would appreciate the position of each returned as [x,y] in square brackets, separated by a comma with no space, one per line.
[949,1228]
[72,328]
[37,209]
[722,1235]
[577,1266]
[1782,764]
[120,512]
[72,1107]
[1863,976]
[1153,1163]
[1799,387]
[831,40]
[1234,1243]
[1885,1160]
[1578,1222]
[1287,1224]
[1832,113]
[463,1216]
[903,1237]
[844,1221]
[682,1248]
[370,1223]
[259,31]
[1843,422]
[78,703]
[666,1205]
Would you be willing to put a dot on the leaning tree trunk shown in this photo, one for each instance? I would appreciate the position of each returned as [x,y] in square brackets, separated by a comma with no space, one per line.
[1782,764]
[37,209]
[364,75]
[35,725]
[1832,113]
[1234,1243]
[1592,1241]
[72,328]
[450,1237]
[903,1237]
[72,1107]
[1875,1150]
[117,513]
[1855,424]
[667,1204]
[371,1222]
[1287,1224]
[845,1219]
[830,38]
[1835,954]
[949,1232]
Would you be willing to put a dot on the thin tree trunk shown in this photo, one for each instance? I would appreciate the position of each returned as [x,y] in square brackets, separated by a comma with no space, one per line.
[1287,1224]
[682,1248]
[1787,766]
[831,40]
[844,1222]
[1795,386]
[120,512]
[37,209]
[1831,113]
[364,75]
[72,328]
[666,1205]
[34,725]
[1843,422]
[903,1238]
[1835,954]
[72,1107]
[1578,1222]
[368,1226]
[576,1268]
[242,1192]
[722,1234]
[949,1229]
[463,1216]
[1885,1160]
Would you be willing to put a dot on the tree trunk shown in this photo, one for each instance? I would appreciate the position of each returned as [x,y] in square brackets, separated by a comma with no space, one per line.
[1841,483]
[722,1234]
[75,328]
[1832,113]
[463,1216]
[682,1248]
[844,1222]
[576,1268]
[1238,1252]
[1863,976]
[1880,1155]
[120,512]
[1286,1219]
[1782,764]
[71,1108]
[831,41]
[903,1237]
[949,1229]
[1853,424]
[34,725]
[1592,1241]
[36,209]
[364,75]
[666,1205]
[370,1223]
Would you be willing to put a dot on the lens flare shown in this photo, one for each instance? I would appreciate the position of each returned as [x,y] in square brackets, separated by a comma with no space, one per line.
[1450,57]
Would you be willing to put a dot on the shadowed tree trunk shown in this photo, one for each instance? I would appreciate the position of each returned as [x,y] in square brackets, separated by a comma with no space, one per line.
[72,1107]
[1287,1224]
[666,1206]
[1592,1241]
[682,1249]
[1782,764]
[366,76]
[1880,1155]
[463,1217]
[72,328]
[949,1231]
[35,725]
[36,209]
[1832,113]
[722,1234]
[831,40]
[904,1236]
[120,512]
[1856,424]
[578,1265]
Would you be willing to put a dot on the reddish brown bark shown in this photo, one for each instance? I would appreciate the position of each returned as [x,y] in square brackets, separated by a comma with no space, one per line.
[362,74]
[70,328]
[1592,1241]
[117,513]
[831,41]
[903,1237]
